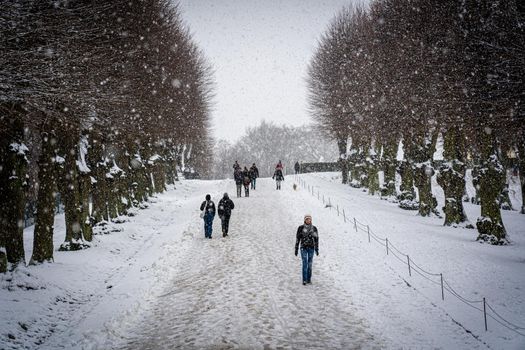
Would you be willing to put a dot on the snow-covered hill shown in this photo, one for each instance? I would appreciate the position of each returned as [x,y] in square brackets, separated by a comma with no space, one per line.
[156,283]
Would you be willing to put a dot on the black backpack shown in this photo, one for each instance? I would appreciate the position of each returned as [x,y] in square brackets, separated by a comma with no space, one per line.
[210,207]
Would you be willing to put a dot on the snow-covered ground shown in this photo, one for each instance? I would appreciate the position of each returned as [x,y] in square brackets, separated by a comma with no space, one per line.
[156,283]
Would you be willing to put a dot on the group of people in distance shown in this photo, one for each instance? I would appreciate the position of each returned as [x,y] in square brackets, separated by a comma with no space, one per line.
[246,178]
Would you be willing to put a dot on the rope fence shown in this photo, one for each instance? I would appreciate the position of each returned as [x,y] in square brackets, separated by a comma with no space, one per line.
[481,305]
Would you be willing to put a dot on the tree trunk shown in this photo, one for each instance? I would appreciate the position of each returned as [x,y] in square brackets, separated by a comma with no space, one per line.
[85,216]
[70,190]
[422,180]
[521,165]
[406,188]
[170,164]
[388,163]
[159,176]
[85,187]
[351,162]
[99,169]
[13,164]
[125,183]
[112,196]
[123,196]
[147,172]
[372,168]
[3,258]
[342,142]
[422,152]
[451,177]
[45,214]
[138,176]
[359,170]
[491,179]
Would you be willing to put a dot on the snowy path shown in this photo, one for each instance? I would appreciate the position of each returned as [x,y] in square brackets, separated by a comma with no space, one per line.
[245,291]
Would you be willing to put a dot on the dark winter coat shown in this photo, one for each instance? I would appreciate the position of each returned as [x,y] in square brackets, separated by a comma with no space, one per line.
[297,166]
[278,175]
[246,177]
[254,172]
[210,207]
[307,238]
[225,207]
[238,176]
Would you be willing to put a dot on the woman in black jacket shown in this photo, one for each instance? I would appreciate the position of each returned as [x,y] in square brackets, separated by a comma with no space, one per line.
[246,180]
[308,239]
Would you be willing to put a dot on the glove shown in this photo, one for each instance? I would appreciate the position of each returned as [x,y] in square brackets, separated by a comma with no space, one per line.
[317,252]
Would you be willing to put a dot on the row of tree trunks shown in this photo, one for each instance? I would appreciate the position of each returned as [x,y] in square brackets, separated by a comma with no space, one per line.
[489,178]
[111,195]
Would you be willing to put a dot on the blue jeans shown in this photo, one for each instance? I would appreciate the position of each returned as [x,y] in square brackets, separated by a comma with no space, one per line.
[307,255]
[208,225]
[253,183]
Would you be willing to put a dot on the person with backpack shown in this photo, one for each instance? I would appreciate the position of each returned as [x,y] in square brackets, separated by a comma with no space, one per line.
[254,174]
[308,238]
[278,176]
[208,213]
[238,176]
[225,211]
[246,180]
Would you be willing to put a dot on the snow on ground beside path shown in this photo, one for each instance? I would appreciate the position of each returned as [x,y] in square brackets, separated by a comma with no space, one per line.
[157,283]
[82,292]
[473,269]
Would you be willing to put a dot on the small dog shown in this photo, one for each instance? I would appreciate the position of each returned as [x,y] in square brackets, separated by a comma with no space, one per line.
[294,187]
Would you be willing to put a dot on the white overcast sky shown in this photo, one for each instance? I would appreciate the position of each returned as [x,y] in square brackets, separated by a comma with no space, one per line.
[259,50]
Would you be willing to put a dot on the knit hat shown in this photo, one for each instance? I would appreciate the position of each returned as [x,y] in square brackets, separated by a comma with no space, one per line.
[307,216]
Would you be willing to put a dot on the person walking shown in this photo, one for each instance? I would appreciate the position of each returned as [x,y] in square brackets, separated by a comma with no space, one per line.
[236,166]
[278,176]
[246,181]
[254,174]
[297,167]
[238,176]
[225,211]
[308,239]
[208,213]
